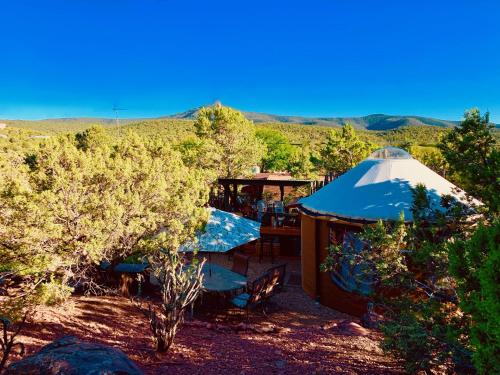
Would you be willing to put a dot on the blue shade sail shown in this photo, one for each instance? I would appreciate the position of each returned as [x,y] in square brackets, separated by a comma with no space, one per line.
[224,231]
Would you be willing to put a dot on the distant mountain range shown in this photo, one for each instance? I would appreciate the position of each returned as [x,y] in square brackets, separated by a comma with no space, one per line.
[370,122]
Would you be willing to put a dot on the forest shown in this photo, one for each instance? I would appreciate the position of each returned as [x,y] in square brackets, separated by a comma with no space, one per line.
[83,194]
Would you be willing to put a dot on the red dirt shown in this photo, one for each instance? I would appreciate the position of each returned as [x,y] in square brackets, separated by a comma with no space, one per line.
[309,338]
[306,338]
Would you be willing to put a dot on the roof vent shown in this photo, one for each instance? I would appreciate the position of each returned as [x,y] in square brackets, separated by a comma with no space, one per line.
[390,153]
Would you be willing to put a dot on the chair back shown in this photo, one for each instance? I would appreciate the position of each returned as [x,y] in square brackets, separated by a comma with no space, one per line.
[279,208]
[257,289]
[261,209]
[240,264]
[276,279]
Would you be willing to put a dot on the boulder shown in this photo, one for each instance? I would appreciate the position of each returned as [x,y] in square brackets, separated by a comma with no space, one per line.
[71,356]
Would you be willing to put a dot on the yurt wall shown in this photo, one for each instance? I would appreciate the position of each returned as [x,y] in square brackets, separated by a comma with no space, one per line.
[309,260]
[316,237]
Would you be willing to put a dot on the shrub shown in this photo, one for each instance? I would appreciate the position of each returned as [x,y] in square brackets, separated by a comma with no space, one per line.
[475,264]
[53,292]
[180,286]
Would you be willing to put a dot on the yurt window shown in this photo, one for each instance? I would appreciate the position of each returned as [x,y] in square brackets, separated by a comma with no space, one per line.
[351,275]
[390,153]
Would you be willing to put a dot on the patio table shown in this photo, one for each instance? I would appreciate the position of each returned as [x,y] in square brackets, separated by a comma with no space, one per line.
[220,279]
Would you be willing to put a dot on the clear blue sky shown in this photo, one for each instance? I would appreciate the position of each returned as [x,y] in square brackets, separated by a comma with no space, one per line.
[62,58]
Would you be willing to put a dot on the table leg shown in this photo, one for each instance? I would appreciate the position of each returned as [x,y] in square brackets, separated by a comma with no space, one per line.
[261,248]
[272,248]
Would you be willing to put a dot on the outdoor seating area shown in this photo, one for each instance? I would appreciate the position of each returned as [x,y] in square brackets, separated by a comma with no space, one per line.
[257,197]
[295,333]
[223,288]
[259,291]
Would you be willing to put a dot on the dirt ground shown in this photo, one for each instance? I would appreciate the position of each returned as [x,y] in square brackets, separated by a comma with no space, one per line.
[306,338]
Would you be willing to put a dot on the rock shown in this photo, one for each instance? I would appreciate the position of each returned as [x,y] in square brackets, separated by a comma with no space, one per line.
[264,329]
[283,330]
[280,364]
[352,329]
[371,320]
[71,356]
[328,326]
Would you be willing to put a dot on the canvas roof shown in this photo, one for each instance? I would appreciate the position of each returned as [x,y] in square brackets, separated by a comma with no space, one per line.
[224,231]
[379,188]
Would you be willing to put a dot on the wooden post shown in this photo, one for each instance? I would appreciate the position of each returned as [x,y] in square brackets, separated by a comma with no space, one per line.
[235,197]
[227,191]
[282,192]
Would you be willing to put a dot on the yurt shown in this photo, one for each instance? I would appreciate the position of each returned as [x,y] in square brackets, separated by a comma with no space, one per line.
[377,188]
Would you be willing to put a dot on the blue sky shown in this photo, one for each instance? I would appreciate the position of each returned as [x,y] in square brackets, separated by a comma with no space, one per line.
[61,58]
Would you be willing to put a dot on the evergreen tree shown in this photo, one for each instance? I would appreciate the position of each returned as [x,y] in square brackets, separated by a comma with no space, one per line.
[234,138]
[344,150]
[472,153]
[279,150]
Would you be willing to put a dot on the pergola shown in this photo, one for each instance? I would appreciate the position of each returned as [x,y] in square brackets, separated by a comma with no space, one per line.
[230,186]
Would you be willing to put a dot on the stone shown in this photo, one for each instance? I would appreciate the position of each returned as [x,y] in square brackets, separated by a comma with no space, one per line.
[372,320]
[352,329]
[71,356]
[280,364]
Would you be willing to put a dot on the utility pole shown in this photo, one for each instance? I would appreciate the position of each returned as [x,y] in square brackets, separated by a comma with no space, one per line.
[116,109]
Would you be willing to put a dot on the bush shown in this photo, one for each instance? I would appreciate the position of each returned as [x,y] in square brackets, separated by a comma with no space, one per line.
[475,264]
[180,286]
[53,292]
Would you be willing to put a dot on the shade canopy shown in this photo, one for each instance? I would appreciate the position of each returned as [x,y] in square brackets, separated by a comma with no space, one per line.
[224,231]
[380,187]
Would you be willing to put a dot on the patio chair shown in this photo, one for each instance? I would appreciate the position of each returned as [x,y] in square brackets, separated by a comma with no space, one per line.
[279,207]
[261,209]
[254,296]
[240,263]
[279,213]
[276,281]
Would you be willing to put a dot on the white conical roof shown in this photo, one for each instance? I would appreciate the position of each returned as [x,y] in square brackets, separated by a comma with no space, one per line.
[379,188]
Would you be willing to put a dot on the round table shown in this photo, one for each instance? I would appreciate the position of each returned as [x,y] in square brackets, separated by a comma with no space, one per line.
[220,279]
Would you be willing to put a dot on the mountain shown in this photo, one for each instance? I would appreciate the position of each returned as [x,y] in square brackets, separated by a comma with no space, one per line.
[370,122]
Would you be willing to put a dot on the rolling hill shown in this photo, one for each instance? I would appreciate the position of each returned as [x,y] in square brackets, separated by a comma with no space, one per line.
[370,122]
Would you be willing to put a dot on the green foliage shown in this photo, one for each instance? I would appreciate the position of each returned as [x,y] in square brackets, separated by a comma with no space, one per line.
[432,157]
[86,200]
[344,150]
[475,263]
[424,325]
[381,260]
[202,155]
[300,164]
[279,150]
[53,292]
[472,153]
[232,137]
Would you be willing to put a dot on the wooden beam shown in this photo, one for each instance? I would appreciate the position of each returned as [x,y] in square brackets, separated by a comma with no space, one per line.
[226,196]
[262,182]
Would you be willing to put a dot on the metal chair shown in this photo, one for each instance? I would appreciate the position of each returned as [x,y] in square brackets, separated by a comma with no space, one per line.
[261,209]
[276,279]
[254,296]
[240,263]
